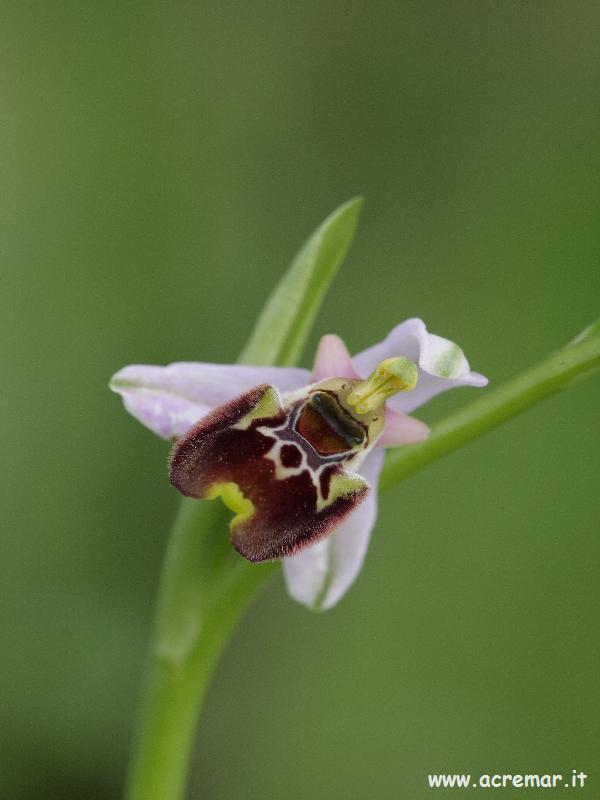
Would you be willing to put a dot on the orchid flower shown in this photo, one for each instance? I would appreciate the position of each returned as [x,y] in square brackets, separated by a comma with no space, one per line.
[297,455]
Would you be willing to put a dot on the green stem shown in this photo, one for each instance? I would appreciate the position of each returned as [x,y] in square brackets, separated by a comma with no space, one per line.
[203,592]
[205,588]
[557,372]
[205,584]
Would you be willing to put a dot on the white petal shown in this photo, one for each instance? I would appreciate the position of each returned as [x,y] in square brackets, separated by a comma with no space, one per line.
[318,576]
[169,400]
[442,364]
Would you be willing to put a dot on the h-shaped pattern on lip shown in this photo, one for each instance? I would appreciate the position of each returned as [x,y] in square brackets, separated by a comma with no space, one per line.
[285,467]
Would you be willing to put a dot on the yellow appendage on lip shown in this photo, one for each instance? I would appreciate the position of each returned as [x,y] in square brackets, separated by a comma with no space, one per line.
[389,377]
[233,497]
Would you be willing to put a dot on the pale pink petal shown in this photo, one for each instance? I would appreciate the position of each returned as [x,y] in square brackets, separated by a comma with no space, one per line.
[320,575]
[332,359]
[169,400]
[442,364]
[401,429]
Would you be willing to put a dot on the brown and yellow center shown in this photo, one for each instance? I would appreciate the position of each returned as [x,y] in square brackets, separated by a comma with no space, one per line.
[328,427]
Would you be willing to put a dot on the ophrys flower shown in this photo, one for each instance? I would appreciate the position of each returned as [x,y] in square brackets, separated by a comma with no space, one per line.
[297,455]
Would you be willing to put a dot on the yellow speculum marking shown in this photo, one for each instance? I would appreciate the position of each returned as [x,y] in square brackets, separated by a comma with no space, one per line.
[235,500]
[391,376]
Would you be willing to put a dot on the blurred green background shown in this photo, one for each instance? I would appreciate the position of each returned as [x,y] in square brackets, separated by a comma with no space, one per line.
[161,164]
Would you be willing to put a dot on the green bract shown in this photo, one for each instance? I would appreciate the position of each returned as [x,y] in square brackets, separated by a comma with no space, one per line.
[205,585]
[285,322]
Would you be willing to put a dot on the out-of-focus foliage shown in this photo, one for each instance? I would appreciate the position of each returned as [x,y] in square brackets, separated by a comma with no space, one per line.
[146,148]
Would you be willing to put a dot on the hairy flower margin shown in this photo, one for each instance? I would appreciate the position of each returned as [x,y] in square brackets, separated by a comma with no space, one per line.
[170,400]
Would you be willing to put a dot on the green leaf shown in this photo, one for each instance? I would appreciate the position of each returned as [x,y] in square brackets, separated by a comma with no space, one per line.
[285,322]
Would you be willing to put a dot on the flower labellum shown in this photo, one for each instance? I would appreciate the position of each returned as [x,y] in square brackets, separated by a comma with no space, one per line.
[294,452]
[287,466]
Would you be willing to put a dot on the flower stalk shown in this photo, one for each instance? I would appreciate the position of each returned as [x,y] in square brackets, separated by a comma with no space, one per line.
[573,362]
[206,585]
